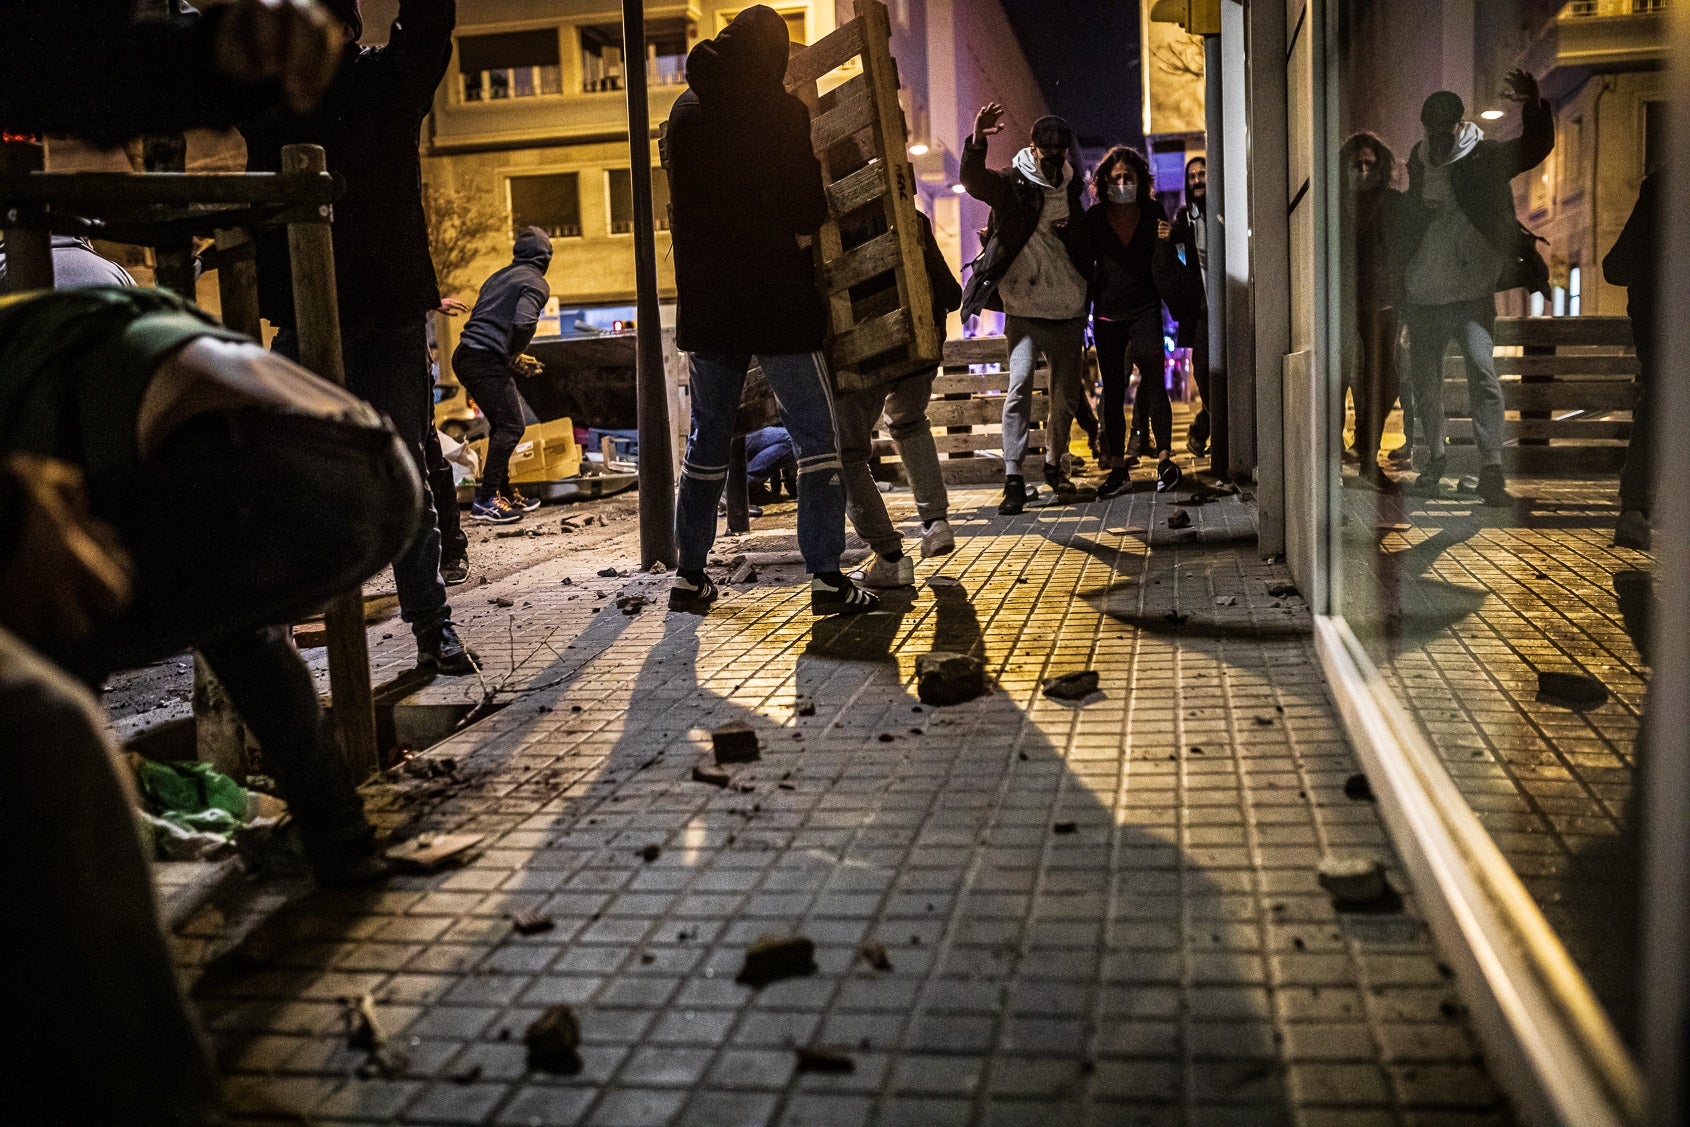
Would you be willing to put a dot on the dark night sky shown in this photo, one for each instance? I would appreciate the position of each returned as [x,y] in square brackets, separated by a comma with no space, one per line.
[1085,54]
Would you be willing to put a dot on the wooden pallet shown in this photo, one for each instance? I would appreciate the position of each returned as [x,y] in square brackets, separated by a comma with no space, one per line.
[1568,386]
[869,262]
[967,411]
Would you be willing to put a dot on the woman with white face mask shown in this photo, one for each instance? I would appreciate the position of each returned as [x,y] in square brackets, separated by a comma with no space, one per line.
[1121,233]
[1370,214]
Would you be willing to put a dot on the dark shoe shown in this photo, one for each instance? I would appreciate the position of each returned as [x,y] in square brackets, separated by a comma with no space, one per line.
[1135,444]
[1374,474]
[1430,481]
[838,595]
[1401,456]
[694,595]
[1014,496]
[1168,475]
[455,572]
[441,651]
[1114,483]
[1633,530]
[1058,481]
[1196,442]
[517,501]
[1493,486]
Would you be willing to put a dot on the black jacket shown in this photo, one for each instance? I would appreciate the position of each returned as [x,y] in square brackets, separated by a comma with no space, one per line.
[1016,204]
[1121,279]
[368,124]
[85,68]
[1634,262]
[1181,283]
[744,183]
[1481,183]
[508,307]
[947,292]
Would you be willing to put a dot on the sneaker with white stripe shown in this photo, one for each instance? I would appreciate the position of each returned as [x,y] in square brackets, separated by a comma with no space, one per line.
[828,598]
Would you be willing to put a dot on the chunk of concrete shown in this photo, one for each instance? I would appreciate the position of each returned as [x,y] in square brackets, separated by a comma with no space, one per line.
[1571,690]
[774,957]
[706,771]
[1353,879]
[735,742]
[1077,685]
[949,678]
[554,1041]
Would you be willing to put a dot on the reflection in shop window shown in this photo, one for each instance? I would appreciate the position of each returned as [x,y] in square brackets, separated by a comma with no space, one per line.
[797,24]
[621,192]
[513,64]
[551,202]
[665,48]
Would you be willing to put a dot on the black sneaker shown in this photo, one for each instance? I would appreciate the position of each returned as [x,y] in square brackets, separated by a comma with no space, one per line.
[1168,475]
[838,595]
[1430,481]
[441,651]
[693,595]
[1493,486]
[1014,496]
[1058,481]
[455,572]
[1114,483]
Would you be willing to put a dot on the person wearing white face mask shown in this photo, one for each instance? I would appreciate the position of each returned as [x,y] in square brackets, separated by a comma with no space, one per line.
[1121,233]
[1370,213]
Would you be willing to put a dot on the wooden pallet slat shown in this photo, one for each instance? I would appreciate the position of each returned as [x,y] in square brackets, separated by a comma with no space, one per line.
[857,190]
[860,263]
[826,54]
[851,111]
[1592,395]
[1559,332]
[1565,366]
[871,338]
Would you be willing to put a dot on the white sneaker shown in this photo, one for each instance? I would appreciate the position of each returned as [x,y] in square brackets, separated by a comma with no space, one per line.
[937,540]
[882,572]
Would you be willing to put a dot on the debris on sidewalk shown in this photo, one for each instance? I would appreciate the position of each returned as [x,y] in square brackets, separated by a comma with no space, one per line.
[812,1058]
[530,923]
[1227,601]
[1284,590]
[631,605]
[195,812]
[656,568]
[1077,685]
[431,851]
[650,853]
[948,678]
[1358,789]
[1571,690]
[706,771]
[554,1041]
[803,705]
[746,572]
[874,954]
[735,742]
[365,1034]
[774,957]
[1180,519]
[1357,883]
[1065,828]
[608,573]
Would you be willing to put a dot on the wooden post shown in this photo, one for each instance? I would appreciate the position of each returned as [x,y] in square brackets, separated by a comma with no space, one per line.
[29,251]
[657,475]
[738,488]
[316,313]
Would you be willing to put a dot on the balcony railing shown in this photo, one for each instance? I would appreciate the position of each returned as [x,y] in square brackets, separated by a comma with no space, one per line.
[599,75]
[512,82]
[1596,8]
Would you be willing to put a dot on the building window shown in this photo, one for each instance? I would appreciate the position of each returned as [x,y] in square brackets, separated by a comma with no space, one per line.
[551,203]
[621,192]
[1648,5]
[1582,8]
[797,22]
[665,54]
[1575,282]
[512,64]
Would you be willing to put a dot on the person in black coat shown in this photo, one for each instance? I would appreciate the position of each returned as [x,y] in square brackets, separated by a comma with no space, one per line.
[1180,264]
[384,279]
[1369,212]
[744,184]
[1634,262]
[1121,233]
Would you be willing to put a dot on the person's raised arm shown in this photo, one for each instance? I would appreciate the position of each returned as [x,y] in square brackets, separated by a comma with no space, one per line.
[1537,134]
[419,48]
[978,180]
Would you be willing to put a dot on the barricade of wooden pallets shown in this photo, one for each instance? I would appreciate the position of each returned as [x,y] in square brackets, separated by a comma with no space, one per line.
[967,411]
[1568,385]
[869,263]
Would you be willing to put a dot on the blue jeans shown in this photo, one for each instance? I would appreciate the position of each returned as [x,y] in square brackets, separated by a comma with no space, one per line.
[387,366]
[800,383]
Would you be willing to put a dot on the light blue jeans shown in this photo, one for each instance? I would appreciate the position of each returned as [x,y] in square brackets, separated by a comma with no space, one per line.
[800,383]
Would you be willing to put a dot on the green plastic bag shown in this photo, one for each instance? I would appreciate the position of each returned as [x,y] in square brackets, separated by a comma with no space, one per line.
[189,788]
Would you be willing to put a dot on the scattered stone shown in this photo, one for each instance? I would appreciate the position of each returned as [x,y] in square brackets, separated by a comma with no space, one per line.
[431,851]
[802,705]
[1358,789]
[1263,721]
[501,602]
[814,1059]
[746,572]
[1176,618]
[554,1041]
[1284,590]
[568,582]
[481,581]
[530,923]
[706,771]
[650,853]
[1571,690]
[874,954]
[609,573]
[364,1033]
[631,605]
[949,678]
[887,737]
[506,535]
[656,568]
[1357,883]
[1180,519]
[774,957]
[1227,601]
[735,742]
[1065,828]
[1071,686]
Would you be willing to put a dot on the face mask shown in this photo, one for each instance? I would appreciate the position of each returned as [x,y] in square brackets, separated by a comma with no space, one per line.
[1123,193]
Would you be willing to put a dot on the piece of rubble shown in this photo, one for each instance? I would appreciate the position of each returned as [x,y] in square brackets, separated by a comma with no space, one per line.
[568,582]
[650,853]
[803,705]
[631,605]
[609,573]
[554,1041]
[430,851]
[874,954]
[1284,590]
[812,1058]
[774,957]
[656,568]
[1065,828]
[706,771]
[1077,685]
[1227,601]
[1180,519]
[1358,789]
[501,602]
[948,678]
[364,1033]
[735,742]
[1571,690]
[746,572]
[1354,880]
[530,923]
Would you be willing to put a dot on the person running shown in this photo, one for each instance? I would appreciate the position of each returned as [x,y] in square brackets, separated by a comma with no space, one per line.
[1033,268]
[1121,234]
[487,360]
[744,185]
[903,403]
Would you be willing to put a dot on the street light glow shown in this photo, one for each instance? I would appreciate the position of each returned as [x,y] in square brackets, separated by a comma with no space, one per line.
[1491,115]
[958,189]
[918,149]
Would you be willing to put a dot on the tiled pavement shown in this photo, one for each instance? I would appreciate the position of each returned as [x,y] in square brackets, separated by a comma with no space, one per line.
[1166,958]
[1461,606]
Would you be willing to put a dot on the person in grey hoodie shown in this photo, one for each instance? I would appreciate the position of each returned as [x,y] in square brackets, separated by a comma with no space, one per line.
[486,363]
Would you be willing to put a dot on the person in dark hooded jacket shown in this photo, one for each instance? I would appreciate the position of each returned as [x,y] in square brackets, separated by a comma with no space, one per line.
[486,360]
[744,185]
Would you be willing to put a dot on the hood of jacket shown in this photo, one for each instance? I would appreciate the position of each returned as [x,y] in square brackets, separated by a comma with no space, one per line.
[1026,162]
[533,247]
[750,55]
[1467,138]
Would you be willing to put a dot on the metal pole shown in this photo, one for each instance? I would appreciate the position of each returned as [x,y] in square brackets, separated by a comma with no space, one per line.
[29,251]
[316,311]
[657,470]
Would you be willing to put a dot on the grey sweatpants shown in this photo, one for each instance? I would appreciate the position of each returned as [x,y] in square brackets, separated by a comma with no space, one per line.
[904,405]
[1471,324]
[1063,345]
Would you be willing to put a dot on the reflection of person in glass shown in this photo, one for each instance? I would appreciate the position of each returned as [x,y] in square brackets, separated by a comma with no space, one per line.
[1370,210]
[1633,263]
[1181,276]
[1462,244]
